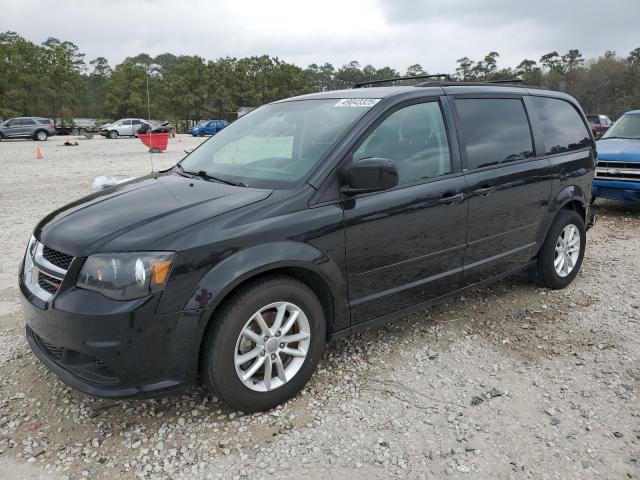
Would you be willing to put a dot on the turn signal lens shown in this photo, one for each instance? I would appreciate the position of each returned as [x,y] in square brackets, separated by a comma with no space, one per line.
[160,271]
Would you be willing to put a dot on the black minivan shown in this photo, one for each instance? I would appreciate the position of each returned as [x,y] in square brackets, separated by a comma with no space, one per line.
[305,220]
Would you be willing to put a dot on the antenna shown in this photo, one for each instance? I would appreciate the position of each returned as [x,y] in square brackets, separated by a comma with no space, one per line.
[149,120]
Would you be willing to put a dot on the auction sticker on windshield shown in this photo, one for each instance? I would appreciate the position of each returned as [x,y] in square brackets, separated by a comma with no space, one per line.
[357,102]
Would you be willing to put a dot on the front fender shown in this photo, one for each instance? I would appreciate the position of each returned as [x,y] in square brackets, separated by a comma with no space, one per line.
[246,264]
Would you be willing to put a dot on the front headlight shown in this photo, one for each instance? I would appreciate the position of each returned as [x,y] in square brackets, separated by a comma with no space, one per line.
[125,276]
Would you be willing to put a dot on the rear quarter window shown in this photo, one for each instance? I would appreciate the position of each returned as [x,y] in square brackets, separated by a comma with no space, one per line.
[562,127]
[496,130]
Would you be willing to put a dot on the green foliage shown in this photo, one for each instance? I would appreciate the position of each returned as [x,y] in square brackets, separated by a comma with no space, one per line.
[125,91]
[53,80]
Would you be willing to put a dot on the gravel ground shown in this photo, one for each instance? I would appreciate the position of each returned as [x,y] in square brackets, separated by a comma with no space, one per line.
[510,381]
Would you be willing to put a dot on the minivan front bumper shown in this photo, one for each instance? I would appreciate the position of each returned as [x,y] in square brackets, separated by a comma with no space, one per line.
[113,349]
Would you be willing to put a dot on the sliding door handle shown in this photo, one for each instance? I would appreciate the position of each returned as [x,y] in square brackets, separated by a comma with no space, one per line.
[484,190]
[451,198]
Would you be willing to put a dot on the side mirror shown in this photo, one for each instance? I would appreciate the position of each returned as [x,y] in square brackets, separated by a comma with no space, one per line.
[369,175]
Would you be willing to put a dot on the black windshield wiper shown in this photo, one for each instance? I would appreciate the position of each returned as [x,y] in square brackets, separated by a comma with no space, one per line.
[204,175]
[622,138]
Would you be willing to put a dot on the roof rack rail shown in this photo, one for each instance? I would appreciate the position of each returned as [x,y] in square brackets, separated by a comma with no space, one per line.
[511,83]
[506,80]
[397,79]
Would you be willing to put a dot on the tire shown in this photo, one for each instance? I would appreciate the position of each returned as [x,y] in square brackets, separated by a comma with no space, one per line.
[113,134]
[40,136]
[201,134]
[547,272]
[224,343]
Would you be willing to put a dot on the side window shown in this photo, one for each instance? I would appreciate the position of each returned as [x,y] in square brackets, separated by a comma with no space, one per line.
[562,126]
[496,130]
[126,122]
[415,137]
[137,122]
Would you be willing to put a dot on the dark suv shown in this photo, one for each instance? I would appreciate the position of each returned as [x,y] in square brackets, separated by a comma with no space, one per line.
[307,219]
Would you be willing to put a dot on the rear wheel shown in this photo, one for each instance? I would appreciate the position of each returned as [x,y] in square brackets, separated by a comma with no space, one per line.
[561,255]
[113,134]
[41,135]
[264,343]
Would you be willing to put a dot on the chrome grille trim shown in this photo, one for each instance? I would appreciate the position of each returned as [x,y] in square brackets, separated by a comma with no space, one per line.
[38,269]
[618,170]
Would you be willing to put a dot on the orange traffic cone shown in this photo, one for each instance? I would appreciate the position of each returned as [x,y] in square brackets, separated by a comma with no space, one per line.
[39,154]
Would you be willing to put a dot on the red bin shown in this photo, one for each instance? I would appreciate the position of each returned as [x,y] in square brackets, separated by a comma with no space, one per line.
[155,141]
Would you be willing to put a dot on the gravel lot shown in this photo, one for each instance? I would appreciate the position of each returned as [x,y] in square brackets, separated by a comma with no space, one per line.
[510,381]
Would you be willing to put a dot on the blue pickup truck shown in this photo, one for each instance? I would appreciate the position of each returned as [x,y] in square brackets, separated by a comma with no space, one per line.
[210,127]
[618,171]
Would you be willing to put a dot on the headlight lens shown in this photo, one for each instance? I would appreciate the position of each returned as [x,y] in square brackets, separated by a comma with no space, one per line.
[125,276]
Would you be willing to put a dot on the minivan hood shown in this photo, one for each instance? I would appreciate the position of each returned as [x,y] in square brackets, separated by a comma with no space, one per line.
[621,149]
[131,215]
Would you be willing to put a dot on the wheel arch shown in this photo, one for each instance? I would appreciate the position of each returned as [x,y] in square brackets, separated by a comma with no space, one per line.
[331,295]
[572,197]
[295,259]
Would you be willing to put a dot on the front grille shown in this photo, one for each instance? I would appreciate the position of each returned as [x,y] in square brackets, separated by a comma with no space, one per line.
[47,283]
[59,259]
[613,170]
[44,269]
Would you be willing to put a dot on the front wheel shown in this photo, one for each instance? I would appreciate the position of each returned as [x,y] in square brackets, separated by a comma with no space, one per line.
[113,134]
[563,250]
[264,343]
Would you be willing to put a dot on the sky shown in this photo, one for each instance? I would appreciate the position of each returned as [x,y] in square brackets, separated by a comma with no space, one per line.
[398,33]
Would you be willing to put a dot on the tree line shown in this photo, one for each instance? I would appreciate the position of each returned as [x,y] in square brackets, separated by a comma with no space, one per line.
[54,79]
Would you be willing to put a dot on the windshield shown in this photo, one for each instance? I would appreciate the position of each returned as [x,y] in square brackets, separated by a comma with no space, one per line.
[276,145]
[628,126]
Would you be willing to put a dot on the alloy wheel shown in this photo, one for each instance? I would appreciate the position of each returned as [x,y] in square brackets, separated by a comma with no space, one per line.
[272,346]
[567,250]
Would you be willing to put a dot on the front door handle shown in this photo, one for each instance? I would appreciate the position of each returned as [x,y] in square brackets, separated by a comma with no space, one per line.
[484,190]
[451,198]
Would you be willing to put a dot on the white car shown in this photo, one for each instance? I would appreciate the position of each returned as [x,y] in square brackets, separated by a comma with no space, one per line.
[122,127]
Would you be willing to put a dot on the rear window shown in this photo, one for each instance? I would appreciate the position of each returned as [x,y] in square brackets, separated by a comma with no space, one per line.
[44,121]
[496,130]
[593,119]
[562,127]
